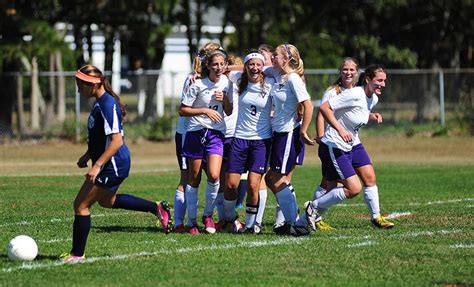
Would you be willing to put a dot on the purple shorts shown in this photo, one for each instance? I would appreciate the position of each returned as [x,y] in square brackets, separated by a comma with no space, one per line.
[227,143]
[247,155]
[179,142]
[287,151]
[202,143]
[338,164]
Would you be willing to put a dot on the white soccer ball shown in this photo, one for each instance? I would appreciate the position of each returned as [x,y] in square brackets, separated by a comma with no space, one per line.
[22,248]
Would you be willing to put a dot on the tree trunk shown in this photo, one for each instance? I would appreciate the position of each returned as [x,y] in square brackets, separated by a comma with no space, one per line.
[427,106]
[35,95]
[51,96]
[20,111]
[61,103]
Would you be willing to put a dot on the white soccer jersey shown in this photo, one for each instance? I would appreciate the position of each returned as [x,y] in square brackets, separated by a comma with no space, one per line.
[255,105]
[183,122]
[351,109]
[231,120]
[332,93]
[286,95]
[201,95]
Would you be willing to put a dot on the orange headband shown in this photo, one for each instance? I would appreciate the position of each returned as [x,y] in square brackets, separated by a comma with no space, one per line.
[89,79]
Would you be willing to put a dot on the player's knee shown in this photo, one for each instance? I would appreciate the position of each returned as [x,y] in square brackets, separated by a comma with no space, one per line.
[254,186]
[232,186]
[353,190]
[213,177]
[370,181]
[106,203]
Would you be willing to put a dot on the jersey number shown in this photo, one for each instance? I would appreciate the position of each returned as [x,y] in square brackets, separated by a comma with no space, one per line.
[215,107]
[253,110]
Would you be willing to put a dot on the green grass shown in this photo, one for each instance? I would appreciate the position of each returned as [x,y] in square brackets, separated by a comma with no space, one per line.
[433,245]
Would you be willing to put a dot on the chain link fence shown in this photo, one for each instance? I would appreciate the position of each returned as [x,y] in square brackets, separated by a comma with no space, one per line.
[153,98]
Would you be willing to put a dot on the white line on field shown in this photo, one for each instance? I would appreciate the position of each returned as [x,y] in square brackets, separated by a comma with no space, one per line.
[54,240]
[79,173]
[55,220]
[427,233]
[364,243]
[397,215]
[462,246]
[248,244]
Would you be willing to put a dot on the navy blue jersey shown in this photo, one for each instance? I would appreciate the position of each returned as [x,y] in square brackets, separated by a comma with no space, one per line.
[104,120]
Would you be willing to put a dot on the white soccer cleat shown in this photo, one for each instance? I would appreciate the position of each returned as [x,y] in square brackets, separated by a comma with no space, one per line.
[311,214]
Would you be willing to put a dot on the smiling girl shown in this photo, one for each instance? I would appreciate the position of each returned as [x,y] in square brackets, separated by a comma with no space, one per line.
[205,102]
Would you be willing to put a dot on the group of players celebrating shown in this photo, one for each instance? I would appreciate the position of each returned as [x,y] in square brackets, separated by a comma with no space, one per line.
[239,117]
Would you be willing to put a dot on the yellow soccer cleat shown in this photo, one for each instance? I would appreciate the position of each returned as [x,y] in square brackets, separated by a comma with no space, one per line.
[382,223]
[321,225]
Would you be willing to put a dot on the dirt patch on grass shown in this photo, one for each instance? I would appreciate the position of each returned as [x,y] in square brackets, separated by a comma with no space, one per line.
[59,157]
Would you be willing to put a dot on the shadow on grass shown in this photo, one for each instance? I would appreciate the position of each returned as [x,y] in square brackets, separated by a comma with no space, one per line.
[130,229]
[38,258]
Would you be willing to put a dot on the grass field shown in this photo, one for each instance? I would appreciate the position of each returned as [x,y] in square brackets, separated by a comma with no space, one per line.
[426,185]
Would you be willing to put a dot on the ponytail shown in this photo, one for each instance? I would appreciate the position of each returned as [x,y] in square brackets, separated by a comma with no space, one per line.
[93,71]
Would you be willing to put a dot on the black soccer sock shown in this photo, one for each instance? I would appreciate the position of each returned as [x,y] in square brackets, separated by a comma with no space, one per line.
[130,202]
[80,231]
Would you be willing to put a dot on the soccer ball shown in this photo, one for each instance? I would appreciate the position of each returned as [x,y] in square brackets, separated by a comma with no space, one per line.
[22,248]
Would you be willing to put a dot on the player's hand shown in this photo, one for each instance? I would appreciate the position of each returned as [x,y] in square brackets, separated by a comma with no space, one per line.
[376,117]
[318,139]
[92,173]
[307,140]
[214,115]
[219,95]
[82,161]
[345,135]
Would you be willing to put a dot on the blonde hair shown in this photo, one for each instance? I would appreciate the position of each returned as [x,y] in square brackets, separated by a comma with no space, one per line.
[338,83]
[201,56]
[233,59]
[295,62]
[95,72]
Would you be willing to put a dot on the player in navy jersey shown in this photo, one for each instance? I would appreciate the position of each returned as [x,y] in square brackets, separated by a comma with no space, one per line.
[289,132]
[110,159]
[206,101]
[339,151]
[179,199]
[249,150]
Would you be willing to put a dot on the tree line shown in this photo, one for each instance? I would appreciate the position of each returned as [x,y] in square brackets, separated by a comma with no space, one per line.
[397,33]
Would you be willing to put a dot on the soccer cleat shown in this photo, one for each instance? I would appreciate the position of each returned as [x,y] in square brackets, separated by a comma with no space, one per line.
[246,230]
[209,225]
[310,214]
[71,259]
[179,229]
[194,230]
[321,225]
[220,225]
[164,215]
[236,226]
[282,229]
[382,223]
[257,229]
[296,230]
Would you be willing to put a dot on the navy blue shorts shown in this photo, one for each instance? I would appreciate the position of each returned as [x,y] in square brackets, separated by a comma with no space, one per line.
[108,180]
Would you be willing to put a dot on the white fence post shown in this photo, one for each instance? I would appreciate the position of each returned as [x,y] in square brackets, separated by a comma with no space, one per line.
[441,98]
[78,115]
